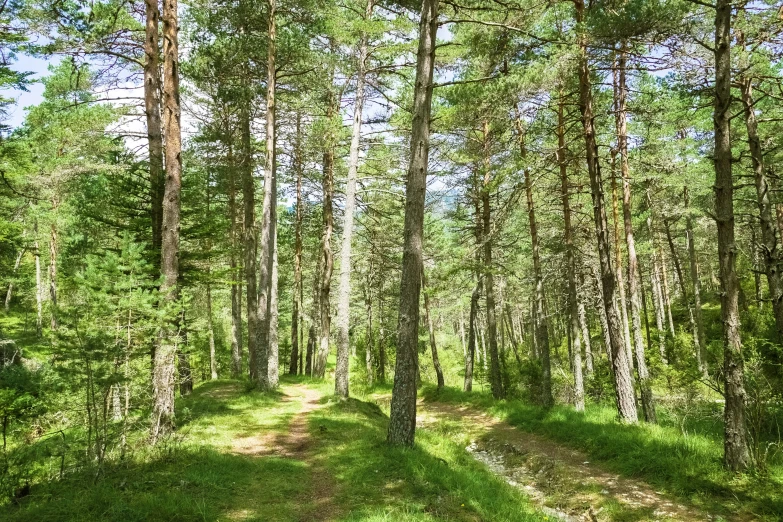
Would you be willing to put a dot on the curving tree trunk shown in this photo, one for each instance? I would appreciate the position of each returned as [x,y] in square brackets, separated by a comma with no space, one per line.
[769,236]
[402,417]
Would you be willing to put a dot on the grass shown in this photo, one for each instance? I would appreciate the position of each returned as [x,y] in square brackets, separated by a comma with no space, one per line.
[346,472]
[687,466]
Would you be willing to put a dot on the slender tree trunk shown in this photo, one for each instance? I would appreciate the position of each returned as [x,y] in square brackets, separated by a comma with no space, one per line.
[312,333]
[266,352]
[667,302]
[573,302]
[273,368]
[297,293]
[462,333]
[236,292]
[10,291]
[648,402]
[655,283]
[585,338]
[53,275]
[165,354]
[183,356]
[495,378]
[736,453]
[370,341]
[541,330]
[381,339]
[344,290]
[402,417]
[622,301]
[701,339]
[38,285]
[769,236]
[624,392]
[152,107]
[250,246]
[431,329]
[211,330]
[470,355]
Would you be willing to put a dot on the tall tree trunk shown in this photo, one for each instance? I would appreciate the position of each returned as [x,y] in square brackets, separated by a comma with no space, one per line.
[655,284]
[736,453]
[648,402]
[667,302]
[327,257]
[38,285]
[470,355]
[431,330]
[573,303]
[236,291]
[402,417]
[152,109]
[622,301]
[701,339]
[10,291]
[370,343]
[381,339]
[266,282]
[211,332]
[541,330]
[312,333]
[495,377]
[53,275]
[769,236]
[165,354]
[273,355]
[183,357]
[250,246]
[297,297]
[624,392]
[341,376]
[585,338]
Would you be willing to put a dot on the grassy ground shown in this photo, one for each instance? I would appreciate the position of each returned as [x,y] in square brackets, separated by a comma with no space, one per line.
[685,465]
[339,469]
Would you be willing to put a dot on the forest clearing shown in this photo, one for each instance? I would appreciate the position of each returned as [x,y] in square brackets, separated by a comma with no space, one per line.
[381,260]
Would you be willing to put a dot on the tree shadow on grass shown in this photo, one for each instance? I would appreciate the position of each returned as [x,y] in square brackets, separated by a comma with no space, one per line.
[434,480]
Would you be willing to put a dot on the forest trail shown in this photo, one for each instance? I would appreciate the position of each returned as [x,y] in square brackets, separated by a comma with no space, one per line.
[295,443]
[560,480]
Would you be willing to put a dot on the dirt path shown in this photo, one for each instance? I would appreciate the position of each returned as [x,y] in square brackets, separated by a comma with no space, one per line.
[296,442]
[561,480]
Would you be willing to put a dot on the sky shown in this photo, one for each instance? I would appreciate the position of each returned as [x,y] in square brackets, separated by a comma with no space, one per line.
[35,91]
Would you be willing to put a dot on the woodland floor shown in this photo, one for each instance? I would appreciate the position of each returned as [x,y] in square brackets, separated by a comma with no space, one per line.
[299,455]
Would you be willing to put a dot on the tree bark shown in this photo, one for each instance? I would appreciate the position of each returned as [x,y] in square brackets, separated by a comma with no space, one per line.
[38,285]
[152,107]
[568,240]
[250,246]
[211,331]
[344,291]
[327,256]
[769,236]
[370,341]
[648,402]
[266,351]
[736,453]
[541,330]
[235,269]
[622,301]
[53,274]
[10,290]
[655,284]
[470,355]
[624,392]
[402,417]
[701,339]
[297,297]
[431,330]
[164,368]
